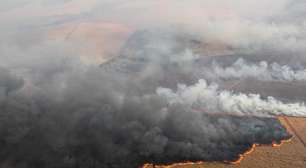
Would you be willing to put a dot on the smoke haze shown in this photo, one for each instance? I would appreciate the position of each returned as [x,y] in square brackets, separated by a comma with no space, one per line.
[116,83]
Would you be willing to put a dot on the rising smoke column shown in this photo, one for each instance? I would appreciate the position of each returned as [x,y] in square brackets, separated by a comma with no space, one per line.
[242,69]
[208,98]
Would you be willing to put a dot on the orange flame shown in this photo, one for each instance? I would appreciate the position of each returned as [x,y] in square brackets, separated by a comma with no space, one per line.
[187,163]
[274,144]
[241,156]
[146,165]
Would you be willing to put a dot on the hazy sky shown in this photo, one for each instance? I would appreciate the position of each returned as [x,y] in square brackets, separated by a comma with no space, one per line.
[241,23]
[148,11]
[219,15]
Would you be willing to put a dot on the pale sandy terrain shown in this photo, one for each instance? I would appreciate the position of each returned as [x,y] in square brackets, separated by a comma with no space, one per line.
[98,41]
[289,155]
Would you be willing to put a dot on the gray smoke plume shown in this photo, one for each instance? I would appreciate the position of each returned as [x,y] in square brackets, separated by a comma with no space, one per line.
[211,100]
[68,114]
[157,100]
[260,71]
[92,125]
[9,82]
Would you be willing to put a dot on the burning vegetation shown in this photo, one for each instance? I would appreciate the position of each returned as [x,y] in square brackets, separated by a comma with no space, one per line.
[132,111]
[236,161]
[162,100]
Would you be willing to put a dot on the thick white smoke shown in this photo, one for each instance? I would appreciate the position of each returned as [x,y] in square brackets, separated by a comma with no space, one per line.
[208,99]
[241,69]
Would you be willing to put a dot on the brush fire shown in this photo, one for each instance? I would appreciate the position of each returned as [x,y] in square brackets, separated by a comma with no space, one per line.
[92,84]
[237,161]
